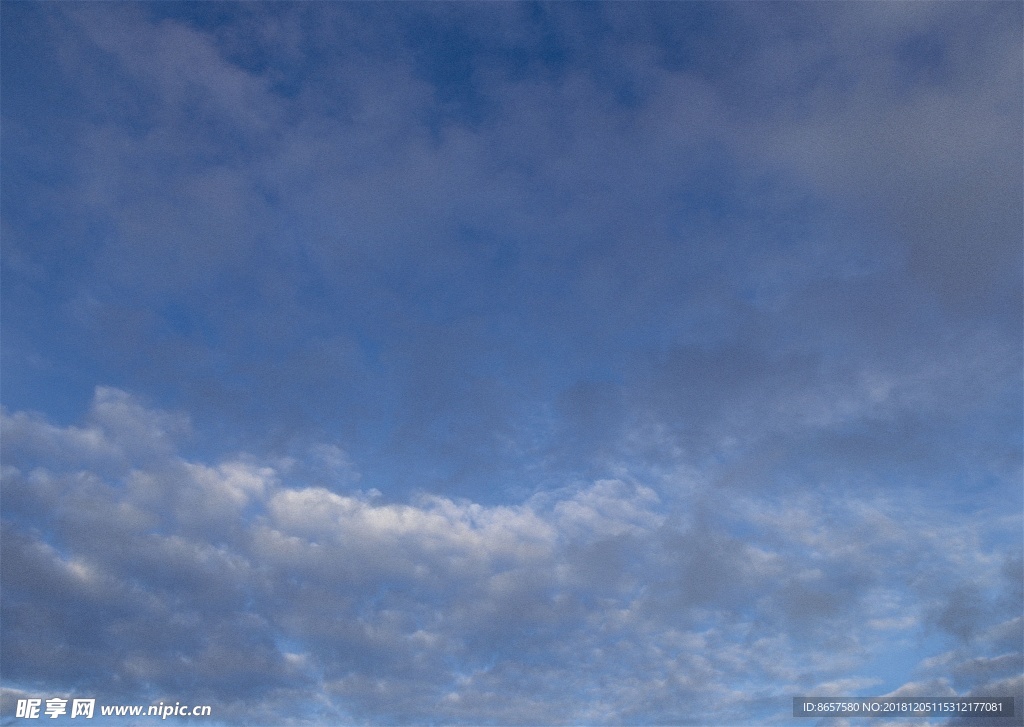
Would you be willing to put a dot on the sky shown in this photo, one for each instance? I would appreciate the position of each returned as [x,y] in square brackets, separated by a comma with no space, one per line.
[510,363]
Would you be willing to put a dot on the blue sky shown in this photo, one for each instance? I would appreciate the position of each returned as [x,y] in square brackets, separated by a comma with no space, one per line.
[617,363]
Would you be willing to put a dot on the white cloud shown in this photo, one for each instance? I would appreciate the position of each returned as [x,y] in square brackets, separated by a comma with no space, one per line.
[593,595]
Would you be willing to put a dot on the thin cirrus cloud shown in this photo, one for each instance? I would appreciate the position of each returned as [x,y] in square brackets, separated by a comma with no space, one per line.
[548,363]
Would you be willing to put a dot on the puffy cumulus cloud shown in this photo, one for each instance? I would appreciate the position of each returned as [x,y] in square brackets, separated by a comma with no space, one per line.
[134,573]
[119,430]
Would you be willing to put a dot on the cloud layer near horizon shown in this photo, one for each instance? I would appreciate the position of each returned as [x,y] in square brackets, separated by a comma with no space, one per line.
[130,570]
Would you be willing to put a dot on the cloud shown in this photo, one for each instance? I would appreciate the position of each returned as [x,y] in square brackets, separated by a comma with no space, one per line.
[919,130]
[303,200]
[543,363]
[169,578]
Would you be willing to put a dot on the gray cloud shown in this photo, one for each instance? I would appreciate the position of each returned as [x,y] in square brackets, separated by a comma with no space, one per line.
[682,215]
